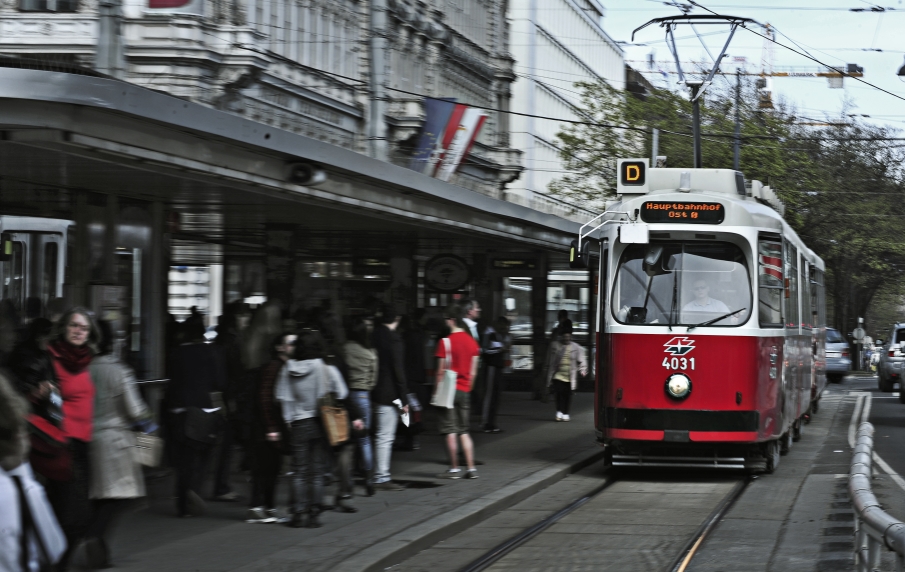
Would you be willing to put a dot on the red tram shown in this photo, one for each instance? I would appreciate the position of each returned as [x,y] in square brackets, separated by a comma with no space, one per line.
[710,321]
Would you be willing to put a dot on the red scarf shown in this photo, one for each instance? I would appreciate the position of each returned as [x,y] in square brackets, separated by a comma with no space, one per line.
[73,358]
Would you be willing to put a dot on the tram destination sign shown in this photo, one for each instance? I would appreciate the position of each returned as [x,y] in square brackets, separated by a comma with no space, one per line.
[683,212]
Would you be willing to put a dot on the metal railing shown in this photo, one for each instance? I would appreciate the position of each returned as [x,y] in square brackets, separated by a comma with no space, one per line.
[874,527]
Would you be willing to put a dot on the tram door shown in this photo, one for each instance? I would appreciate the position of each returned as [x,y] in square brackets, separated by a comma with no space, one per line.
[34,269]
[602,346]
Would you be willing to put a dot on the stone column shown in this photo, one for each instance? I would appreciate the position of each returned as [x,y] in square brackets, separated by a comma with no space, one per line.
[77,291]
[157,292]
[278,265]
[538,322]
[403,291]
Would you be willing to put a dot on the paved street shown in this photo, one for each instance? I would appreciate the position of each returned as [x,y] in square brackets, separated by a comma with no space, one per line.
[796,519]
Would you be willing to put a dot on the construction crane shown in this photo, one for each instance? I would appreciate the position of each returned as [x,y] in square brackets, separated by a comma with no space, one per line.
[764,82]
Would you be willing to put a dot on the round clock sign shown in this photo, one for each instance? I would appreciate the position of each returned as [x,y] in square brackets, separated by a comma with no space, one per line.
[446,272]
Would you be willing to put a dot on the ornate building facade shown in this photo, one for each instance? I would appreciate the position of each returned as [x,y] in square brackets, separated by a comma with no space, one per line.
[350,73]
[556,43]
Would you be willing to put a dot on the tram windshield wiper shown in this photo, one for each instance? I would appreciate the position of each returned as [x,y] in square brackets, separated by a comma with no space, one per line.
[715,320]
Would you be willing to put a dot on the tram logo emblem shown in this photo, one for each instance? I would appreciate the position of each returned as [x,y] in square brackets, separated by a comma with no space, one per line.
[679,346]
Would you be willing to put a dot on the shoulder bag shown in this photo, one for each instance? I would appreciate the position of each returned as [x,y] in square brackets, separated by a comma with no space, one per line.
[445,391]
[334,417]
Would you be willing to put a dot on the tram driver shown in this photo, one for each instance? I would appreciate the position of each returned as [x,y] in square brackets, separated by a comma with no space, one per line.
[703,302]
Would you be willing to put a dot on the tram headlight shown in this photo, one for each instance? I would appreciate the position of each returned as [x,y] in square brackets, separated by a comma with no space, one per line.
[678,386]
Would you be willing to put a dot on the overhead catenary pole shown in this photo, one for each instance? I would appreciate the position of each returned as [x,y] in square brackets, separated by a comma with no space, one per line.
[655,147]
[737,151]
[696,122]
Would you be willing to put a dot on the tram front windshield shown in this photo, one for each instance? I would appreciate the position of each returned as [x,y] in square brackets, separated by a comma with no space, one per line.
[682,283]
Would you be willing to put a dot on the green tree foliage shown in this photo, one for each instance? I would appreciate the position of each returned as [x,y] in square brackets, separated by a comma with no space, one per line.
[842,183]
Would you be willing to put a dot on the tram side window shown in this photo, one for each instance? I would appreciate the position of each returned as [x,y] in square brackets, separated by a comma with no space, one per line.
[49,285]
[821,300]
[805,296]
[12,275]
[791,286]
[770,284]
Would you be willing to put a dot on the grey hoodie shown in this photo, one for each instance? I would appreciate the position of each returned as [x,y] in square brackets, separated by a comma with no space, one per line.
[301,383]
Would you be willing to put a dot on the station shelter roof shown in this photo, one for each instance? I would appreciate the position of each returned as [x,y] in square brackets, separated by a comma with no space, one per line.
[226,175]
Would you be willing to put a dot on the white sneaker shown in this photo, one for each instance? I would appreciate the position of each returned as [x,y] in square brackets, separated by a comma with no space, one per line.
[258,515]
[565,417]
[274,516]
[558,416]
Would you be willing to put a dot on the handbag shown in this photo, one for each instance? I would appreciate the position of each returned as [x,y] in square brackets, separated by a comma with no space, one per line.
[445,392]
[335,420]
[147,450]
[334,417]
[201,426]
[50,456]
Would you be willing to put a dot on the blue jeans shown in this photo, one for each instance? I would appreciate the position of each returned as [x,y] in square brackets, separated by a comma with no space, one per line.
[387,418]
[363,401]
[308,465]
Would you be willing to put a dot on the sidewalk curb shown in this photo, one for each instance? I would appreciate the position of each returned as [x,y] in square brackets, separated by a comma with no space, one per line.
[420,536]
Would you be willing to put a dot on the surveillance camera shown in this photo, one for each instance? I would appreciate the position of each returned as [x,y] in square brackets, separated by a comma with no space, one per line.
[305,174]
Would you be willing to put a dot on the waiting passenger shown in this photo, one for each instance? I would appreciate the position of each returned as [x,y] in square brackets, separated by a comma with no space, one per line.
[566,360]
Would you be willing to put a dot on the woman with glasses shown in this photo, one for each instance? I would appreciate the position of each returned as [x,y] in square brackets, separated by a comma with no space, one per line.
[74,342]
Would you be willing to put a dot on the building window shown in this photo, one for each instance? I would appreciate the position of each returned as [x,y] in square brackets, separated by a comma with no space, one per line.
[48,5]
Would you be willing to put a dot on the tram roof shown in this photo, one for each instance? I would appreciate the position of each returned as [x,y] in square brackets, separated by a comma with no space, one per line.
[708,185]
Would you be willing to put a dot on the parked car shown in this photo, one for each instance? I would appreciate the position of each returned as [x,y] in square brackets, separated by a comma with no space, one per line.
[892,359]
[838,356]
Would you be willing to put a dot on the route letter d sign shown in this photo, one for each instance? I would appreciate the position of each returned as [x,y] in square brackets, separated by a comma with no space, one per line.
[633,173]
[632,179]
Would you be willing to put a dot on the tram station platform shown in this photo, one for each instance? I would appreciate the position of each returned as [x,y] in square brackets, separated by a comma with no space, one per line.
[531,453]
[798,518]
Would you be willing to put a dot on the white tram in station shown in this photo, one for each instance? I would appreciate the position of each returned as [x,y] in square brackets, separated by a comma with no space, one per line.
[711,321]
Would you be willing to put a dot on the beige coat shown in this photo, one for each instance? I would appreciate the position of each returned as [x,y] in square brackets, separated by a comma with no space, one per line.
[114,473]
[579,362]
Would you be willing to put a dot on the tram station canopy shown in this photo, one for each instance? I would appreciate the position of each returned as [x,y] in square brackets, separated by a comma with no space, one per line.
[225,175]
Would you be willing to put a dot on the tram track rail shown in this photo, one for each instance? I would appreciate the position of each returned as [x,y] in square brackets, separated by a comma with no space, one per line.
[691,547]
[679,564]
[504,548]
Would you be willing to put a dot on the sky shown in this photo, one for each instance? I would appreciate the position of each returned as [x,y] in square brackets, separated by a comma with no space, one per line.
[826,29]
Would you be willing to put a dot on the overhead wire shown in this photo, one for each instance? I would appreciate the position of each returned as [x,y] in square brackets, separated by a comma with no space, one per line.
[644,130]
[810,57]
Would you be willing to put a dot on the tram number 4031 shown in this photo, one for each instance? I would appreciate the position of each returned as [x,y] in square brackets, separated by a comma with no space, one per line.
[678,363]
